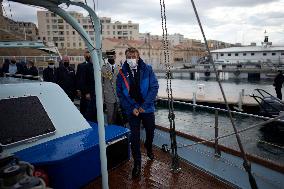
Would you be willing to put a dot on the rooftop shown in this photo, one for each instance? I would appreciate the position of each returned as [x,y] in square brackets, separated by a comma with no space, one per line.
[249,49]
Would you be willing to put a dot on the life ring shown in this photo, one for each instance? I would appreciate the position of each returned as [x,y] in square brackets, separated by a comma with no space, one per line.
[207,73]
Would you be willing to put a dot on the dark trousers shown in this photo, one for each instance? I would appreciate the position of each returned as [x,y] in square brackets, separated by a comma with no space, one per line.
[83,105]
[278,92]
[91,112]
[148,121]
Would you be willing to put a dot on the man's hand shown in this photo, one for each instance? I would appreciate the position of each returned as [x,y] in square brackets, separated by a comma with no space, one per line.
[88,96]
[141,110]
[135,112]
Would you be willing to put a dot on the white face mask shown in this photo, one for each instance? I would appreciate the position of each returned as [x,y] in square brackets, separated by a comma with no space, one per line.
[132,63]
[51,66]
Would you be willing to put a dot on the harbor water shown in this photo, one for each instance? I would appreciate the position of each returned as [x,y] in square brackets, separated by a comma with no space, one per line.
[257,141]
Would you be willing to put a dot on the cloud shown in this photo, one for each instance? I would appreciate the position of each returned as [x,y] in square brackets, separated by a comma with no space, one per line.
[225,20]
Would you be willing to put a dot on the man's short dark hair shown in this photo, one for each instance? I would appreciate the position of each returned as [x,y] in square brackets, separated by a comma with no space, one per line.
[131,50]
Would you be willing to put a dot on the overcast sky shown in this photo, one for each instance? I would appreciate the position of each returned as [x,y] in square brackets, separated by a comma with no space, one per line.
[234,21]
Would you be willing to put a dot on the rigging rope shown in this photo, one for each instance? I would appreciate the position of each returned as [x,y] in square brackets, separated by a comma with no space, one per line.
[246,163]
[171,115]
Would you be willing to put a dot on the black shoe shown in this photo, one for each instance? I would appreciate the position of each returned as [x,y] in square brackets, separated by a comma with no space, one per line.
[136,171]
[150,155]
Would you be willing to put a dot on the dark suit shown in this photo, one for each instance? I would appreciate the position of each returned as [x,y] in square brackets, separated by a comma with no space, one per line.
[65,78]
[80,77]
[89,88]
[49,74]
[31,71]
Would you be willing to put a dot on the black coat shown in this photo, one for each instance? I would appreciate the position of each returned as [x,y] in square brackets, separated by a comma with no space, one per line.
[49,74]
[85,78]
[80,76]
[278,81]
[66,79]
[20,68]
[31,71]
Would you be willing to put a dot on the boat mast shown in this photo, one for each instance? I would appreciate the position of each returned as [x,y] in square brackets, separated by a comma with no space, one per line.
[53,6]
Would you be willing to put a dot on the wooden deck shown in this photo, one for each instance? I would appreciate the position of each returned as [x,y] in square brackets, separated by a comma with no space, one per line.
[157,174]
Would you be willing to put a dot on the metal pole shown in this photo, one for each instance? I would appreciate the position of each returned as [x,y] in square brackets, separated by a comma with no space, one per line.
[217,150]
[98,87]
[53,6]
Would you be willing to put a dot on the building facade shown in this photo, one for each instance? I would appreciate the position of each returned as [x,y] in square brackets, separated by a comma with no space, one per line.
[53,28]
[12,30]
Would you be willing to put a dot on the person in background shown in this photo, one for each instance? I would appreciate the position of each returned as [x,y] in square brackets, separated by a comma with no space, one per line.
[12,67]
[1,70]
[65,78]
[80,85]
[109,74]
[89,91]
[31,69]
[278,82]
[49,71]
[137,88]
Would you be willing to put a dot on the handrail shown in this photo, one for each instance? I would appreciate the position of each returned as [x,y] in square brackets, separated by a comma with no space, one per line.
[219,109]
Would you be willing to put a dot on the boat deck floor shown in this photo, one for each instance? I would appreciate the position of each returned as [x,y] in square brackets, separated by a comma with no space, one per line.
[157,174]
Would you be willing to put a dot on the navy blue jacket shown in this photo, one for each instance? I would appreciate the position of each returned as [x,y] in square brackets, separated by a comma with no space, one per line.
[148,87]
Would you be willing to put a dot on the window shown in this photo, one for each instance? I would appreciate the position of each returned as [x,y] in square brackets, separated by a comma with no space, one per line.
[68,44]
[107,26]
[229,54]
[273,54]
[124,26]
[252,54]
[73,32]
[119,27]
[74,44]
[222,54]
[236,54]
[113,32]
[108,32]
[130,32]
[244,54]
[67,32]
[47,26]
[67,26]
[61,33]
[54,26]
[61,27]
[46,14]
[264,54]
[47,20]
[60,20]
[113,27]
[282,53]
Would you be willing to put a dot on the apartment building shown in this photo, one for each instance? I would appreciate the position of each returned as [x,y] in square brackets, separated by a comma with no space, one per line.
[53,28]
[13,30]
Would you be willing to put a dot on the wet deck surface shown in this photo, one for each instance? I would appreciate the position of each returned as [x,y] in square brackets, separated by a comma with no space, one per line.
[157,174]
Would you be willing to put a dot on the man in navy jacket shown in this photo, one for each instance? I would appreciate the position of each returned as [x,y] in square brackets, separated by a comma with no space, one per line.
[137,88]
